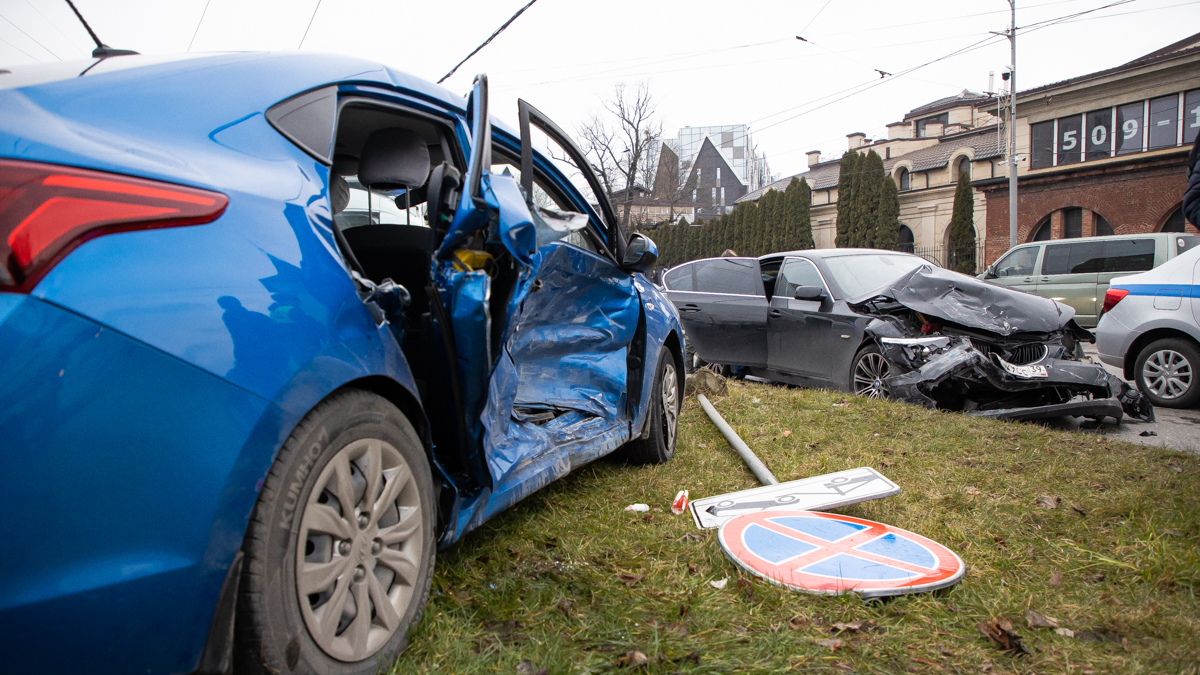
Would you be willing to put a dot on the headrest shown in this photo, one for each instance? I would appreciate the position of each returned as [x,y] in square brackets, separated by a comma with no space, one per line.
[394,158]
[339,193]
[345,165]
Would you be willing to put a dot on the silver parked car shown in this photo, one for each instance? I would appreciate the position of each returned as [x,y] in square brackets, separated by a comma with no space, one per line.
[1150,327]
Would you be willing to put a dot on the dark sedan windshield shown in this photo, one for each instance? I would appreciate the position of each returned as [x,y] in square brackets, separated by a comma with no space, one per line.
[857,274]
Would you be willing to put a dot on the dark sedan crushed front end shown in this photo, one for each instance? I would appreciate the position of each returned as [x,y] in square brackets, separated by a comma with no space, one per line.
[957,344]
[890,324]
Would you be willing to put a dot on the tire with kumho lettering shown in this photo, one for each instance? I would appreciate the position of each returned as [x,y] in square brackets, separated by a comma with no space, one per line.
[340,548]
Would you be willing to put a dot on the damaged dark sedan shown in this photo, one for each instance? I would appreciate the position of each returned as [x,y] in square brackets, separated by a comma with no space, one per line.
[890,324]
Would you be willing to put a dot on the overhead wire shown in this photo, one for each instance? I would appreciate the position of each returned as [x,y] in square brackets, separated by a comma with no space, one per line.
[810,21]
[310,23]
[21,50]
[55,26]
[969,48]
[489,40]
[30,37]
[205,12]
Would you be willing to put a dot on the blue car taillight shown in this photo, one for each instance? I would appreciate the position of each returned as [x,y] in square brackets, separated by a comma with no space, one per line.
[46,210]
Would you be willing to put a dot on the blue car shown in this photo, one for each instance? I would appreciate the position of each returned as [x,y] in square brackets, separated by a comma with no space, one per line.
[273,330]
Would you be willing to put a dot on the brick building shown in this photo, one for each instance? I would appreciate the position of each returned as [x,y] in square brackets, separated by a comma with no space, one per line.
[1102,153]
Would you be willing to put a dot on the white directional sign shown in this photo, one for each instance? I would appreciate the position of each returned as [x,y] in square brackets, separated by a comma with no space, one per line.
[817,493]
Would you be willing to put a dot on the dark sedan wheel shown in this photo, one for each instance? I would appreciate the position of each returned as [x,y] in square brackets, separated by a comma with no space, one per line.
[340,549]
[868,372]
[665,402]
[1167,373]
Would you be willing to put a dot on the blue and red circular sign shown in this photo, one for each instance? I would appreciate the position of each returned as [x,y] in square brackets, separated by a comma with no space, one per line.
[832,554]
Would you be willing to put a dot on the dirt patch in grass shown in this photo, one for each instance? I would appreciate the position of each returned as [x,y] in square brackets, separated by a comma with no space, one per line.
[1104,582]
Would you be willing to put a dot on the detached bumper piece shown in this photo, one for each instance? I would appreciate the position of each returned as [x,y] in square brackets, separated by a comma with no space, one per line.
[951,373]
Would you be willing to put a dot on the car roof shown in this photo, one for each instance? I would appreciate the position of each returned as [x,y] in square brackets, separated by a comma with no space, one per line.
[834,253]
[1107,237]
[263,77]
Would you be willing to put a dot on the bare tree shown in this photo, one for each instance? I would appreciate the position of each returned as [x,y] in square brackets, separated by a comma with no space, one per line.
[620,152]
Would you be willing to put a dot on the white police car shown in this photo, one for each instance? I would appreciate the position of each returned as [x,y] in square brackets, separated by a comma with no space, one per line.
[1150,327]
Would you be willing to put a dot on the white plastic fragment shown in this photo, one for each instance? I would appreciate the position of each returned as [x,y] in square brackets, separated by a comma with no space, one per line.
[641,508]
[719,584]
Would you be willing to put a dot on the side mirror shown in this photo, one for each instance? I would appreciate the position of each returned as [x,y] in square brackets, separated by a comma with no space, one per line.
[990,272]
[809,293]
[640,254]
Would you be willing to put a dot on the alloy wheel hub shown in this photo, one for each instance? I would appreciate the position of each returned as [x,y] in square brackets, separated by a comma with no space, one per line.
[359,550]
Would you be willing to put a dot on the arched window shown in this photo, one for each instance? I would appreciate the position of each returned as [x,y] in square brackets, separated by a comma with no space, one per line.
[1103,228]
[905,180]
[1175,222]
[1042,231]
[907,241]
[964,168]
[1072,223]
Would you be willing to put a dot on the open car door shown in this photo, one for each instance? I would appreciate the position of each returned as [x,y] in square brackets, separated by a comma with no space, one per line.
[723,307]
[560,394]
[482,271]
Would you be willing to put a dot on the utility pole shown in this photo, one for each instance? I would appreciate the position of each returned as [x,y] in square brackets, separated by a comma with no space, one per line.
[1012,130]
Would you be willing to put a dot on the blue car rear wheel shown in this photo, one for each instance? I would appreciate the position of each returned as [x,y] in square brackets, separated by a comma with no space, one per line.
[340,550]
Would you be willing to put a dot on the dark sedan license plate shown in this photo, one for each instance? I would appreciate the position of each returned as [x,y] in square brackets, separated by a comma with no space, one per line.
[1024,371]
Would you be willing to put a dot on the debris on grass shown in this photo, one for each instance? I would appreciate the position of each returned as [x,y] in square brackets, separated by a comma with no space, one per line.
[719,584]
[972,490]
[797,622]
[633,659]
[857,626]
[1175,466]
[640,508]
[1065,632]
[1055,579]
[679,504]
[927,662]
[1078,510]
[527,667]
[692,568]
[833,643]
[1048,501]
[1039,620]
[705,381]
[1000,631]
[631,580]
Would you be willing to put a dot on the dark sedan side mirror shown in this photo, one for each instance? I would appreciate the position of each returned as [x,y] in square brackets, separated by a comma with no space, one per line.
[640,254]
[809,293]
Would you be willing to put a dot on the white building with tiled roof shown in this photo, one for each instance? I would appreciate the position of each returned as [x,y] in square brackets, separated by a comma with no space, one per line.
[924,154]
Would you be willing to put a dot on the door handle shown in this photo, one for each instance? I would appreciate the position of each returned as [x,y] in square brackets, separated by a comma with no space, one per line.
[689,308]
[776,312]
[1029,280]
[1046,279]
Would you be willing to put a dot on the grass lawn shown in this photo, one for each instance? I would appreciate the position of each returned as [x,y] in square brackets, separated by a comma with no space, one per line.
[571,582]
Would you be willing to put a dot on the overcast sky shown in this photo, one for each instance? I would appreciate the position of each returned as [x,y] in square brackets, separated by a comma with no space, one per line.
[706,62]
